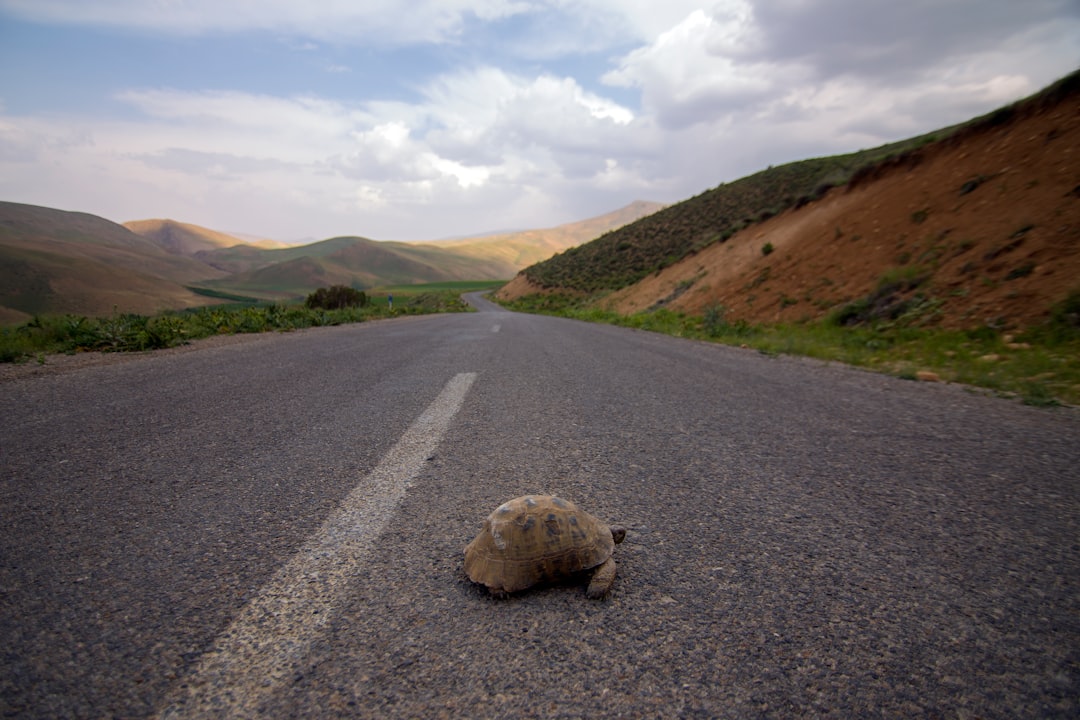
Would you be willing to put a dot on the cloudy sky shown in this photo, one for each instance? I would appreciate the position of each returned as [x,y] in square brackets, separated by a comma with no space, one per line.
[423,119]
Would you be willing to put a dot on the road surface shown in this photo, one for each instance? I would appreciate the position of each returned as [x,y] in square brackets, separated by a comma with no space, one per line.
[274,528]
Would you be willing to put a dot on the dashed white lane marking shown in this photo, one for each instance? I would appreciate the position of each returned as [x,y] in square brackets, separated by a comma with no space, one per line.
[264,645]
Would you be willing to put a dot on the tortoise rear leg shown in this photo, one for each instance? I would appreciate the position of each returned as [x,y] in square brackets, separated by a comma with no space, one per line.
[602,579]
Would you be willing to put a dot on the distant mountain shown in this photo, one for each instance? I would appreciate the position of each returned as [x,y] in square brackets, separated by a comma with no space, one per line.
[354,261]
[52,261]
[527,247]
[186,239]
[362,262]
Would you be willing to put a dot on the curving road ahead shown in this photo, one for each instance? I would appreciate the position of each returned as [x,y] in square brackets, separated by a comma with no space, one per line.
[274,528]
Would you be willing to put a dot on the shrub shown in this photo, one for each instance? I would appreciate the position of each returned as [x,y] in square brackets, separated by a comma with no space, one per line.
[714,324]
[130,332]
[1063,325]
[713,321]
[336,297]
[886,302]
[973,184]
[767,248]
[1021,271]
[1067,313]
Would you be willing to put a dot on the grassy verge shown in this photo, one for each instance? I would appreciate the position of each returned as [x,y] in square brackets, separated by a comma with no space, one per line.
[457,286]
[444,295]
[220,295]
[120,332]
[1041,367]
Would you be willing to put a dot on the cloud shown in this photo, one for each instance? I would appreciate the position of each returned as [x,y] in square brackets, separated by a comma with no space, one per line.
[695,71]
[749,61]
[551,29]
[383,21]
[490,105]
[484,129]
[387,153]
[546,28]
[893,40]
[500,132]
[215,166]
[477,143]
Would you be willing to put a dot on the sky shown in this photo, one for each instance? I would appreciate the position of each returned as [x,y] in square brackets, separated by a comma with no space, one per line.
[428,119]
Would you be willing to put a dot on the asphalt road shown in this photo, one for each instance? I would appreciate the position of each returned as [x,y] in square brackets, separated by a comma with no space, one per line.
[274,528]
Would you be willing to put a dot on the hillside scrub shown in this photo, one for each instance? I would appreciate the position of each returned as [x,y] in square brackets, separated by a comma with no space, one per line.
[625,256]
[128,332]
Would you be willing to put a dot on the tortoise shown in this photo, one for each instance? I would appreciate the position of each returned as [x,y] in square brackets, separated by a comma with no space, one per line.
[542,538]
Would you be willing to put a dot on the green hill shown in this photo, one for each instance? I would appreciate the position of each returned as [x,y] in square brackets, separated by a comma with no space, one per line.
[354,261]
[52,261]
[187,239]
[361,262]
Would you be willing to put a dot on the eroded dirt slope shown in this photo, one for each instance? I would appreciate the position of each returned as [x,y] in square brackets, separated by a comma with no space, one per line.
[984,226]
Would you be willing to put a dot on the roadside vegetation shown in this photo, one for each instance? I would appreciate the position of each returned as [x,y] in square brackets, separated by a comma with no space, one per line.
[125,332]
[1040,366]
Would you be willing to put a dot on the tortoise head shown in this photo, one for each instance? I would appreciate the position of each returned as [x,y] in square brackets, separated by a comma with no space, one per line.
[618,533]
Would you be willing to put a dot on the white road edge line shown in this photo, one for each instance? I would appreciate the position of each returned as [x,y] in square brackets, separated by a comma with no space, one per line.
[261,649]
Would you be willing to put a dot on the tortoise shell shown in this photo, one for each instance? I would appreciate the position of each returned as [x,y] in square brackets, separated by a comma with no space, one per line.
[541,538]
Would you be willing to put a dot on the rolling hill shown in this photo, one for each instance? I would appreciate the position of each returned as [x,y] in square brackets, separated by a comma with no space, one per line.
[975,224]
[289,271]
[187,239]
[53,261]
[353,261]
[528,247]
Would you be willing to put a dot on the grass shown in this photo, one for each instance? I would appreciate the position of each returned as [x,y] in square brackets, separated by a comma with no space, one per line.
[220,295]
[457,286]
[47,334]
[1041,367]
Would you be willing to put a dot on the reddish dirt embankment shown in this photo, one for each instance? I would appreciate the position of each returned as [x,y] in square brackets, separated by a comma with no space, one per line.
[985,224]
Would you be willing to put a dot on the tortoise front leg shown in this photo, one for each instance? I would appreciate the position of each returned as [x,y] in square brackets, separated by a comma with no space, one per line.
[602,579]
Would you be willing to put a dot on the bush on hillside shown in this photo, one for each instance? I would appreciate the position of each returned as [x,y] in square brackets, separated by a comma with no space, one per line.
[1063,325]
[336,297]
